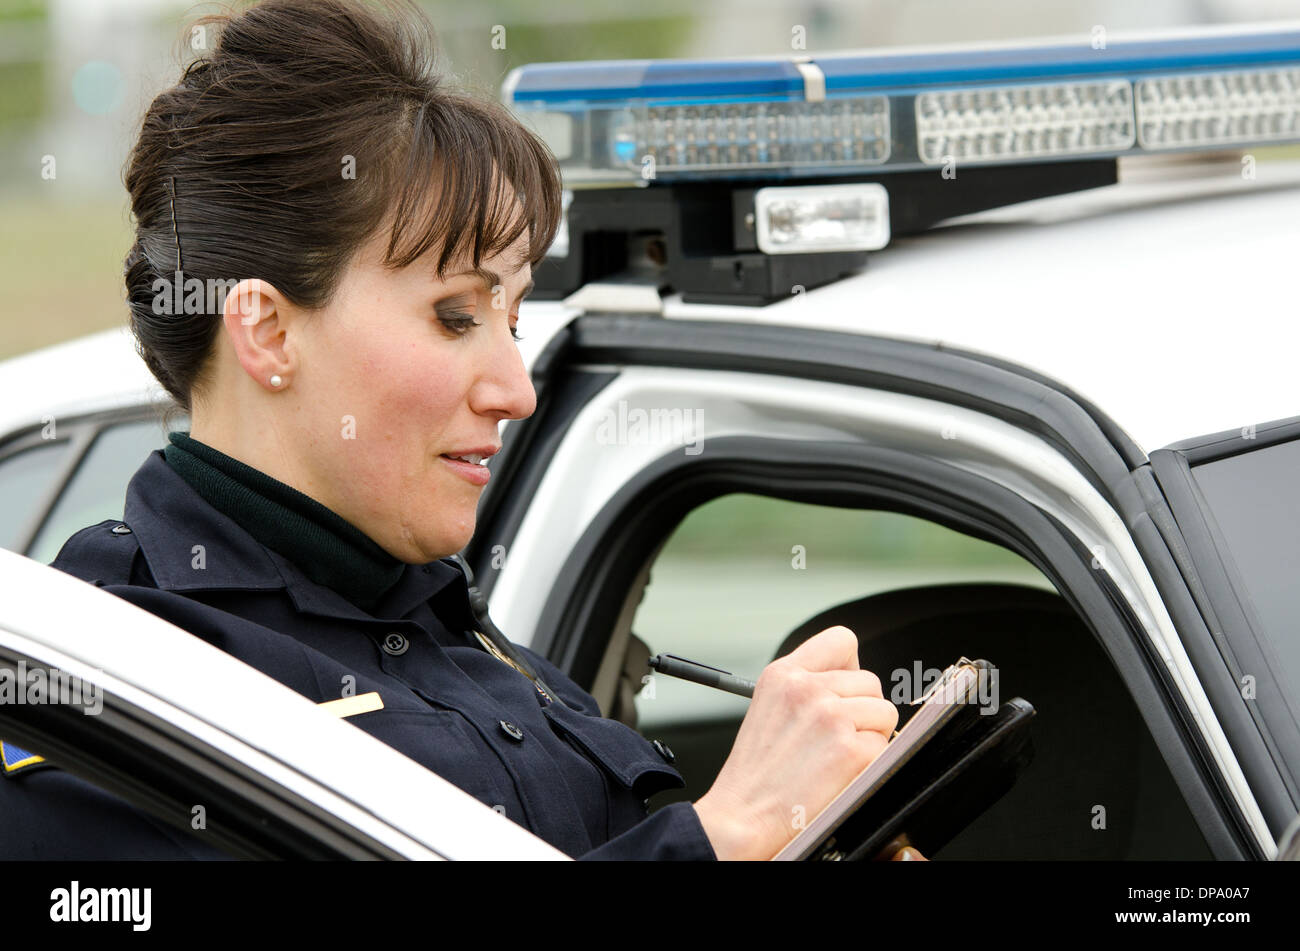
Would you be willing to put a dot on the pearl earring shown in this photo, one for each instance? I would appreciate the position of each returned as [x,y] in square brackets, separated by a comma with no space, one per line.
[275,379]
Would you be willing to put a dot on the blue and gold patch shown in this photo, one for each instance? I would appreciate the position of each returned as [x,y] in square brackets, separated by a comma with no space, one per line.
[17,760]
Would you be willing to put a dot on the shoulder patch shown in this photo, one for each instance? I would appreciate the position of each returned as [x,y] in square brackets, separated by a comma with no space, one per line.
[18,760]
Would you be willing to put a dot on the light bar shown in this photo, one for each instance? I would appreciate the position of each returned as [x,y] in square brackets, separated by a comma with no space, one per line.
[1219,108]
[642,121]
[850,132]
[1016,122]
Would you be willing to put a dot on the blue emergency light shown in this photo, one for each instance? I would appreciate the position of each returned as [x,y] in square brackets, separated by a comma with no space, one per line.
[639,121]
[737,180]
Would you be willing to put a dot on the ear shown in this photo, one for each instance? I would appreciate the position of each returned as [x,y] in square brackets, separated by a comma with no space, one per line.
[259,322]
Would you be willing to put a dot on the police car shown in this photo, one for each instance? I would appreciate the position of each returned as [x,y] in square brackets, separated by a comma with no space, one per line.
[978,352]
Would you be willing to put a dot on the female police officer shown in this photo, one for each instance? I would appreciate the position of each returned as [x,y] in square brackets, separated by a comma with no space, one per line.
[375,233]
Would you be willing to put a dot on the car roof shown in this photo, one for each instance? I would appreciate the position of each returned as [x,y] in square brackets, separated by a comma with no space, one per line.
[1163,299]
[100,371]
[1166,299]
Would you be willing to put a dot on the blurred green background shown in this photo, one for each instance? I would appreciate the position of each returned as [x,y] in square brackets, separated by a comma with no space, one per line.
[76,75]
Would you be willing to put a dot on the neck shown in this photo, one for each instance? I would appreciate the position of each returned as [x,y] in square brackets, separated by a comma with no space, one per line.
[258,445]
[326,548]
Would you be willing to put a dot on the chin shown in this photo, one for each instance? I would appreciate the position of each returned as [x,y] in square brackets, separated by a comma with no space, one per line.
[451,542]
[423,549]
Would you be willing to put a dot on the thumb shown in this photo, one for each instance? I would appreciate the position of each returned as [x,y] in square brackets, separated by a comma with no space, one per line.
[835,648]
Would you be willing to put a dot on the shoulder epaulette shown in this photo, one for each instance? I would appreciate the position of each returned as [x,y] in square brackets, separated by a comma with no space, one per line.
[101,554]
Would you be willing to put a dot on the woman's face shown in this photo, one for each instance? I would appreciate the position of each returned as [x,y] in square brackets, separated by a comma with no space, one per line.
[390,380]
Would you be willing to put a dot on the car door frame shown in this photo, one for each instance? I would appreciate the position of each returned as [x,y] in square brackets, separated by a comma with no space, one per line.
[1221,605]
[279,777]
[595,350]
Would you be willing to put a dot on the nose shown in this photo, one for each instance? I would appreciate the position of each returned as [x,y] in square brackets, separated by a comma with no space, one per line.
[504,388]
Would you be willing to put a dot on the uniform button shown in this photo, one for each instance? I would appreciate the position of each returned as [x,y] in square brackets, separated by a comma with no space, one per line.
[120,530]
[396,643]
[664,751]
[512,731]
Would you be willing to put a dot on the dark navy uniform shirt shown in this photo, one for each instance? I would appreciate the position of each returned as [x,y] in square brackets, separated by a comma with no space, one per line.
[572,777]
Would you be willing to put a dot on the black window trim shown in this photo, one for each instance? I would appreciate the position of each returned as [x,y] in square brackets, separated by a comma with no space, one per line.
[1231,442]
[1224,603]
[1165,551]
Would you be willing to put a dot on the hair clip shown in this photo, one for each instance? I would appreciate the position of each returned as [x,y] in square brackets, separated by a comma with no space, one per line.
[175,231]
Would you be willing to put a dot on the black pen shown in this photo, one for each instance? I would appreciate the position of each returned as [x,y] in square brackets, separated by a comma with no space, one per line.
[694,671]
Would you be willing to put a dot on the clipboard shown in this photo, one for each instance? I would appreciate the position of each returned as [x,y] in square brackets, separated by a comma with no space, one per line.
[949,762]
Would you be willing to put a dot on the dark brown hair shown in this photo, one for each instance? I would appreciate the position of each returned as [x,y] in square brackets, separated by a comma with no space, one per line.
[256,138]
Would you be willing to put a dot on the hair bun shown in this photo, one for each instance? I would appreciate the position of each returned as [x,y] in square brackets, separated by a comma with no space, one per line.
[156,333]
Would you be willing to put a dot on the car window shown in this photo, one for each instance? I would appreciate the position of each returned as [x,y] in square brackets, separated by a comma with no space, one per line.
[743,571]
[25,477]
[97,490]
[1254,499]
[745,577]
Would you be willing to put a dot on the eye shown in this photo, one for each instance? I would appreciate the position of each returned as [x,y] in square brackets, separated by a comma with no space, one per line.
[458,323]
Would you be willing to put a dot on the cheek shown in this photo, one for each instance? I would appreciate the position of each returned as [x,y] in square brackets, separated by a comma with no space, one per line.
[402,392]
[410,396]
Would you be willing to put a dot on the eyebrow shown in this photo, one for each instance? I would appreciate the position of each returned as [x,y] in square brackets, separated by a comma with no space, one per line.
[491,279]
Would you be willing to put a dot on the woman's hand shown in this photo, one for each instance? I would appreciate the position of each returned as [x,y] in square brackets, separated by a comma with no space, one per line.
[908,854]
[816,721]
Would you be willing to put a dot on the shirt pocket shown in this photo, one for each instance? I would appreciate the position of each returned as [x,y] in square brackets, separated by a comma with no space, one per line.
[624,754]
[444,742]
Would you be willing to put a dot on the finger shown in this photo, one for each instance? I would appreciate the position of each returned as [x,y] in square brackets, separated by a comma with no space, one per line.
[873,743]
[908,854]
[835,648]
[871,713]
[851,683]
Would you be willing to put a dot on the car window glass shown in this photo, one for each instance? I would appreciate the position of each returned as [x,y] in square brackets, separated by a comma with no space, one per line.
[743,571]
[1256,505]
[97,490]
[24,478]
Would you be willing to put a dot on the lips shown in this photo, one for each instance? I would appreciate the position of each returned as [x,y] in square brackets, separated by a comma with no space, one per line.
[474,456]
[468,463]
